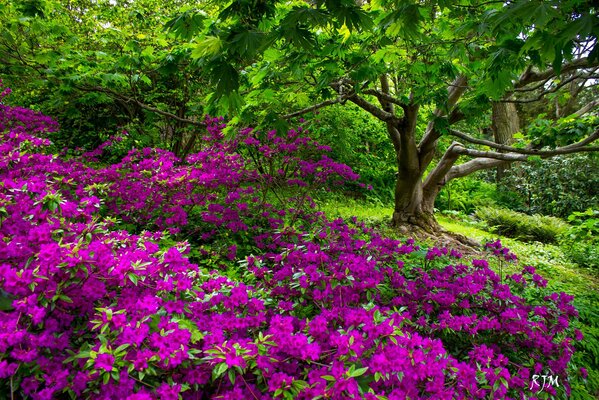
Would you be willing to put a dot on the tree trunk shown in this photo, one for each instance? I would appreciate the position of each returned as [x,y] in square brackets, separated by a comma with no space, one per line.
[410,211]
[506,123]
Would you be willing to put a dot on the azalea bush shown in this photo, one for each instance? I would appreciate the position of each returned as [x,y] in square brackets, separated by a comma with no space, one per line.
[213,277]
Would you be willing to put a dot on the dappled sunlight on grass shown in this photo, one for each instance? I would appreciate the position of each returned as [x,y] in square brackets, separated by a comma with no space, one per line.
[549,259]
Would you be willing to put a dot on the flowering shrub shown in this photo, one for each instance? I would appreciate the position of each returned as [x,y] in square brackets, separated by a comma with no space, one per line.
[281,303]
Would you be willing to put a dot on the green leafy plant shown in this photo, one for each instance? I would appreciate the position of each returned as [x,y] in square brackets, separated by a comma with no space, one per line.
[582,239]
[525,227]
[556,186]
[465,195]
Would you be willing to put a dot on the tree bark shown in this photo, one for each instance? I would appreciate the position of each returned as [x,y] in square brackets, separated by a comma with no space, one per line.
[414,197]
[506,123]
[409,211]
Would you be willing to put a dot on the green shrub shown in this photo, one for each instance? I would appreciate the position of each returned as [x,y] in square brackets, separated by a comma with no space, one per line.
[581,241]
[466,195]
[362,143]
[556,186]
[525,227]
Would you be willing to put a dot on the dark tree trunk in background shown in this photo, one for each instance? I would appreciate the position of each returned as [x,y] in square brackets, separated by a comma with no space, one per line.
[506,124]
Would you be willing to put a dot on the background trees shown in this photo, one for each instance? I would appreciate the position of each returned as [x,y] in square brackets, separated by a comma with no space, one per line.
[101,65]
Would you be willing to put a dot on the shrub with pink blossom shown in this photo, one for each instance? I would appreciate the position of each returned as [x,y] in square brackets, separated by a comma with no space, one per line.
[104,301]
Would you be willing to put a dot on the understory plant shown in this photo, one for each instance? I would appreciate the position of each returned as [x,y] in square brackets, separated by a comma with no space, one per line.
[510,223]
[581,241]
[101,299]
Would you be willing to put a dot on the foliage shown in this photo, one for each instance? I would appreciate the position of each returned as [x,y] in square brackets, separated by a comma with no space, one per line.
[582,239]
[361,142]
[94,64]
[556,186]
[320,309]
[466,195]
[563,131]
[560,185]
[525,227]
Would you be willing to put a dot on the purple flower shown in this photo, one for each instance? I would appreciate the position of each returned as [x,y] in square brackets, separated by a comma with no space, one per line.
[104,361]
[7,369]
[167,392]
[584,373]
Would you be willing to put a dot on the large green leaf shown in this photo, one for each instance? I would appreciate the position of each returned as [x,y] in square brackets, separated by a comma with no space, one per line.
[209,46]
[224,77]
[246,43]
[187,24]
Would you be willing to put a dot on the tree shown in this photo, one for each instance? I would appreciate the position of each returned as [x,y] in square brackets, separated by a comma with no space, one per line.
[99,65]
[424,68]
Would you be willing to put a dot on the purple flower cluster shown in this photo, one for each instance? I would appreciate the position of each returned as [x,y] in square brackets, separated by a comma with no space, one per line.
[315,308]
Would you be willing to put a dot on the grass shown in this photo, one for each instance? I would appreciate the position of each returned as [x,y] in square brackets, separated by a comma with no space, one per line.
[347,208]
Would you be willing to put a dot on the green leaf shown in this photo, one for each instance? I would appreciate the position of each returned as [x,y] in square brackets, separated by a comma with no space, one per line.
[247,43]
[359,372]
[352,16]
[5,301]
[225,77]
[132,277]
[305,15]
[148,51]
[210,46]
[219,370]
[65,298]
[557,61]
[146,79]
[299,37]
[121,348]
[186,25]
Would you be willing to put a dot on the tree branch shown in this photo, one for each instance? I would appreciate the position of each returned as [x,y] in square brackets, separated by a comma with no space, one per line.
[384,97]
[571,148]
[491,159]
[429,141]
[469,167]
[586,108]
[436,178]
[387,102]
[554,89]
[490,154]
[312,108]
[531,76]
[128,99]
[372,109]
